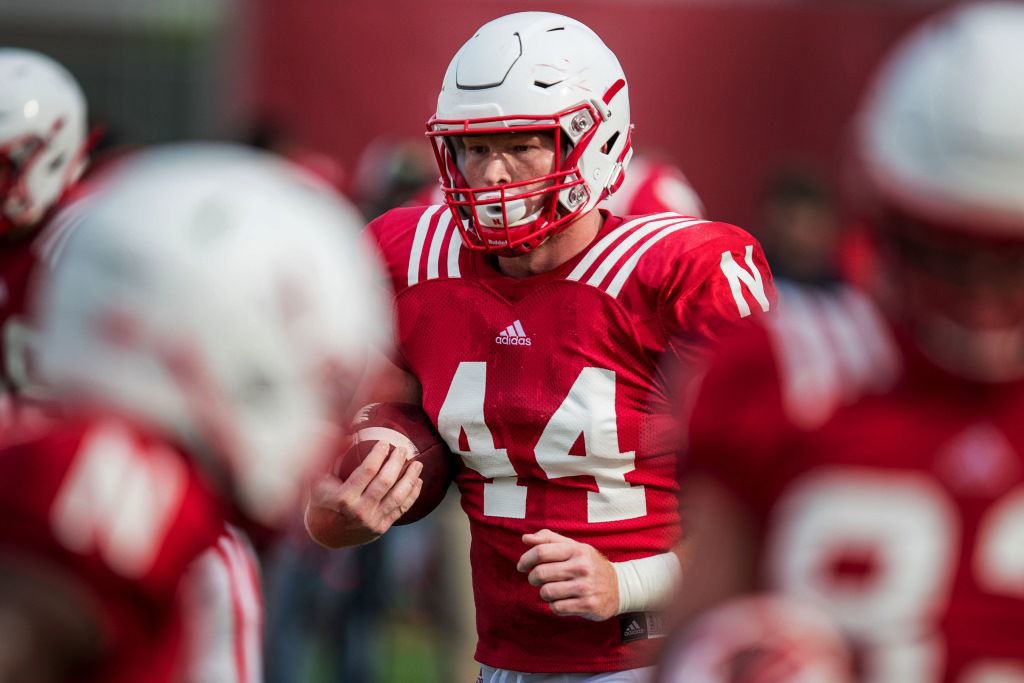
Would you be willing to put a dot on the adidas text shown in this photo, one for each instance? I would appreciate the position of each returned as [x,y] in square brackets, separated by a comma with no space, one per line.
[514,341]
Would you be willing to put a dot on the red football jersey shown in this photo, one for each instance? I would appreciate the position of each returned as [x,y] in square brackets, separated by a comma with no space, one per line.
[124,516]
[884,489]
[552,390]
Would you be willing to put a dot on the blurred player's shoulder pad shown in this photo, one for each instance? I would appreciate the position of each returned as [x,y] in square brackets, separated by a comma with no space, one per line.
[831,348]
[817,352]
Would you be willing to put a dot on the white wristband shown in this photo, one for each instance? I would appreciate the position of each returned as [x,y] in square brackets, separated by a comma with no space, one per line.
[647,583]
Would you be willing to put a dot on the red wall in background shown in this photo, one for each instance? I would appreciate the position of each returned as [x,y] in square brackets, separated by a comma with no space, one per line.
[726,89]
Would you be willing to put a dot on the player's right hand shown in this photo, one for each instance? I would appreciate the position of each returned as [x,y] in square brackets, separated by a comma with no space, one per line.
[362,507]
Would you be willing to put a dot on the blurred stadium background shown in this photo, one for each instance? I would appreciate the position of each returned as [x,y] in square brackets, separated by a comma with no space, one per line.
[733,91]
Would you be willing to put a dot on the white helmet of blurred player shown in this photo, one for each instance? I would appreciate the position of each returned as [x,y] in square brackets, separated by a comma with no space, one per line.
[941,148]
[942,132]
[42,135]
[216,293]
[533,72]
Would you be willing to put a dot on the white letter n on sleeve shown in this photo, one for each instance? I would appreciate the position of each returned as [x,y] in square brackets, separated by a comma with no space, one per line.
[751,279]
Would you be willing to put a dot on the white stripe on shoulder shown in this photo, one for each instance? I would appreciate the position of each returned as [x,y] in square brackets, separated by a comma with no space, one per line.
[595,251]
[444,226]
[625,245]
[416,255]
[630,265]
[454,250]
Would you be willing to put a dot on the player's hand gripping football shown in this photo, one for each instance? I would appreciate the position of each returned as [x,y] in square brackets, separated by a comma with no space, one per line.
[362,507]
[574,578]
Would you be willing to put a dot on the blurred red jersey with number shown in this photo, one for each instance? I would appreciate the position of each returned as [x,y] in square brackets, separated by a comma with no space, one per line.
[883,489]
[123,520]
[553,390]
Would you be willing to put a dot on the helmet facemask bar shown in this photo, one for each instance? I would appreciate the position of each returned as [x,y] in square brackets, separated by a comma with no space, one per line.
[565,188]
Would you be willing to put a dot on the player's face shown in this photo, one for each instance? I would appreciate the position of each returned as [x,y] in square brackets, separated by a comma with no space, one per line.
[495,160]
[965,298]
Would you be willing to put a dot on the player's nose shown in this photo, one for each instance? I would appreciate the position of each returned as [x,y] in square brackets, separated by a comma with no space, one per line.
[496,171]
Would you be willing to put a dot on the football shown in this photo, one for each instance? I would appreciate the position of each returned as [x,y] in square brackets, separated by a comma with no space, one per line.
[403,424]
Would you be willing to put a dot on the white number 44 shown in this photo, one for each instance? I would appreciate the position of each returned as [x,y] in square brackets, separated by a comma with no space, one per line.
[588,409]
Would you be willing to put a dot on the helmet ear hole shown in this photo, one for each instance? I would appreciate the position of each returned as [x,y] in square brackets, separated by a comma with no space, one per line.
[607,147]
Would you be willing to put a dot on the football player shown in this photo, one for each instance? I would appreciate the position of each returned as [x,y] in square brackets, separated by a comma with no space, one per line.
[201,327]
[44,162]
[43,153]
[534,327]
[863,457]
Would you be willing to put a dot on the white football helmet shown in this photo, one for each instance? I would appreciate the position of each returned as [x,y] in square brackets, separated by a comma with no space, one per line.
[942,130]
[941,152]
[533,71]
[42,135]
[217,293]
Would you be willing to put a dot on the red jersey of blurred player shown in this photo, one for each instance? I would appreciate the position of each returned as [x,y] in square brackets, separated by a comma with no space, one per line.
[887,491]
[649,187]
[225,618]
[128,515]
[875,469]
[550,388]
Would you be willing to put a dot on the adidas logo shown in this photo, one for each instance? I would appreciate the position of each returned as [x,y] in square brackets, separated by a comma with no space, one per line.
[513,335]
[633,629]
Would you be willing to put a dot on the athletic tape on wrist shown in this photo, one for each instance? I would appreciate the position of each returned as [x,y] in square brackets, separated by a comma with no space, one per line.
[647,583]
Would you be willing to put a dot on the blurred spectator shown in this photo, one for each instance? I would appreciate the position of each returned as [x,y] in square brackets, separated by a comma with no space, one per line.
[269,136]
[800,228]
[393,173]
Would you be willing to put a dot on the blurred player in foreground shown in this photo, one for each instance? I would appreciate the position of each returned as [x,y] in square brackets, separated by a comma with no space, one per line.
[206,319]
[864,459]
[536,326]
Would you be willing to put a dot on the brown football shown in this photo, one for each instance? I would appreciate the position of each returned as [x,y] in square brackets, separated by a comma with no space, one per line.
[400,424]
